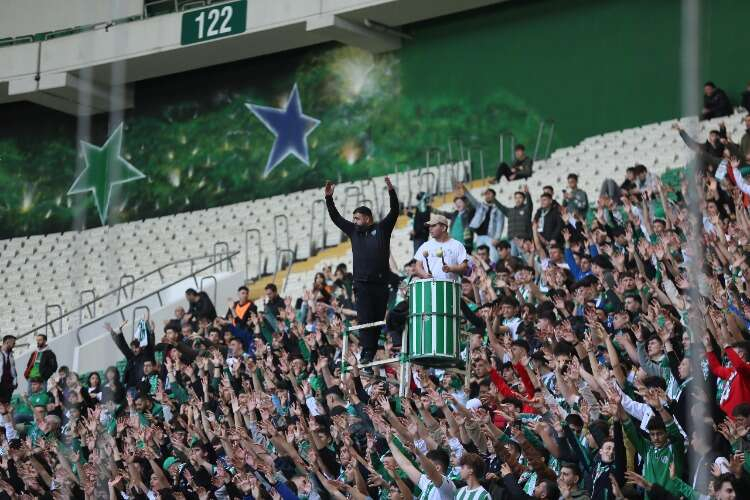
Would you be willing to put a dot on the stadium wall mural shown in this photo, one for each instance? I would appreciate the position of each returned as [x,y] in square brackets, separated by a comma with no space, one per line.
[468,77]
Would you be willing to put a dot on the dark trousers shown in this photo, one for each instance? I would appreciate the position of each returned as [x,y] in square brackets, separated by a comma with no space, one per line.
[372,302]
[504,170]
[6,391]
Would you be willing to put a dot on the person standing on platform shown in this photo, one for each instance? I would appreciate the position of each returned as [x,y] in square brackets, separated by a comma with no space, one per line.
[240,310]
[371,250]
[441,257]
[42,362]
[8,375]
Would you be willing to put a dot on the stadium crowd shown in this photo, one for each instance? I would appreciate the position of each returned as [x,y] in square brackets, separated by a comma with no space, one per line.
[599,365]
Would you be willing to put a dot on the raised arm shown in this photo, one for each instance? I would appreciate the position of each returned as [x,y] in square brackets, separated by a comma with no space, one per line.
[119,339]
[472,199]
[346,226]
[389,221]
[404,464]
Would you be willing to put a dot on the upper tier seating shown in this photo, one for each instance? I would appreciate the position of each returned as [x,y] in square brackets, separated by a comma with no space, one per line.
[55,268]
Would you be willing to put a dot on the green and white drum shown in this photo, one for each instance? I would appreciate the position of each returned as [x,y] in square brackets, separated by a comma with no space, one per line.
[434,319]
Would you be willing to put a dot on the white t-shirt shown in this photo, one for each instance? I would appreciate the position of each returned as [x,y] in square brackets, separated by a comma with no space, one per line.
[454,253]
[446,491]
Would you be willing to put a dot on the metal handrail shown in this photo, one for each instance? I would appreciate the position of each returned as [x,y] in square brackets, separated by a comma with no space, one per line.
[218,253]
[367,202]
[123,287]
[62,315]
[90,308]
[216,285]
[370,182]
[313,248]
[407,173]
[460,148]
[551,130]
[356,190]
[549,140]
[133,322]
[481,162]
[285,221]
[293,257]
[349,192]
[427,190]
[248,232]
[49,322]
[438,154]
[501,147]
[120,310]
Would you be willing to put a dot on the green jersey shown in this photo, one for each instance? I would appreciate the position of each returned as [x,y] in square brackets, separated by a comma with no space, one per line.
[656,461]
[476,494]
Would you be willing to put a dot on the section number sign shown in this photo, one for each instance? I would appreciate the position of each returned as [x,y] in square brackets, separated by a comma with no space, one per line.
[212,22]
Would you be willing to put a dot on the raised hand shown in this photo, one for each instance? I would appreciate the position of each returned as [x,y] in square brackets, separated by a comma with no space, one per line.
[637,480]
[330,186]
[388,183]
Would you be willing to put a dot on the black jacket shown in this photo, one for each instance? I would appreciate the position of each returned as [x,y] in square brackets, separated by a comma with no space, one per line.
[134,367]
[371,246]
[202,308]
[717,104]
[47,364]
[553,224]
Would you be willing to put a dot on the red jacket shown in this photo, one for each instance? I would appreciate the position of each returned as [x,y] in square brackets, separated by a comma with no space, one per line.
[737,389]
[507,392]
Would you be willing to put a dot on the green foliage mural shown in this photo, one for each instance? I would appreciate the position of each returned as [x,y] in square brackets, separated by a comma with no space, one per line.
[200,147]
[590,65]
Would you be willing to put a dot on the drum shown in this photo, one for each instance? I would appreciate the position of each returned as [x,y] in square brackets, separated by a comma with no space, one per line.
[434,314]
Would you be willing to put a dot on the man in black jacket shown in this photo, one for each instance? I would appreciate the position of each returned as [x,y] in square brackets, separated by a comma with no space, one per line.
[521,168]
[715,102]
[135,354]
[371,250]
[42,362]
[200,306]
[548,220]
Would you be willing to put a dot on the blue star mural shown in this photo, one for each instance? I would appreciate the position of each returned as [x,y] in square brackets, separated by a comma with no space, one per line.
[291,128]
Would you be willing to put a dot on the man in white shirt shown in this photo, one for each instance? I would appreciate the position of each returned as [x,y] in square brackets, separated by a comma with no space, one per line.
[440,257]
[433,482]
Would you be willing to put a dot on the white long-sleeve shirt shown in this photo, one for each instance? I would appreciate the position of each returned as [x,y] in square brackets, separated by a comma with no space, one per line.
[641,411]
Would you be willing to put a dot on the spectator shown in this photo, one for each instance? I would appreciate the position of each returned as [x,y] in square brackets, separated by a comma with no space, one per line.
[460,219]
[548,222]
[200,307]
[8,376]
[240,310]
[488,221]
[575,199]
[715,102]
[421,214]
[42,362]
[521,168]
[112,389]
[273,303]
[737,388]
[135,354]
[584,380]
[519,217]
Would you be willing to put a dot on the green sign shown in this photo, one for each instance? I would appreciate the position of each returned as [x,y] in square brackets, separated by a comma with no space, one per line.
[214,22]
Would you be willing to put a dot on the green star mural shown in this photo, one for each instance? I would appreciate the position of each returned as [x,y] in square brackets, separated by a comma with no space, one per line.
[105,168]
